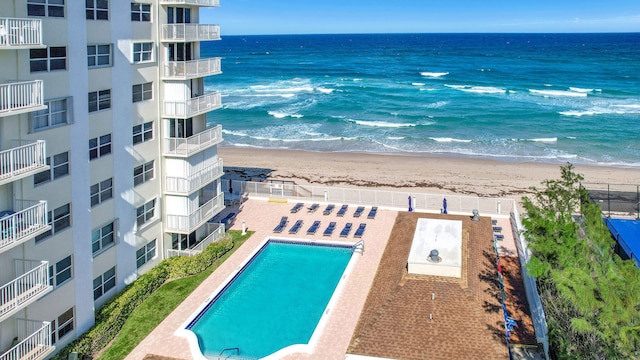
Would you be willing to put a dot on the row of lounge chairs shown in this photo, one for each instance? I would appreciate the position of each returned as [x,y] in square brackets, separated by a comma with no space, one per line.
[341,212]
[346,230]
[497,230]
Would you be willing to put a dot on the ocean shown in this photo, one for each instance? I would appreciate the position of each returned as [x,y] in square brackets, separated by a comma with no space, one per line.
[512,97]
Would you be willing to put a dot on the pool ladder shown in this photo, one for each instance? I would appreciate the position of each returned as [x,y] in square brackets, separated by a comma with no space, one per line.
[358,245]
[236,349]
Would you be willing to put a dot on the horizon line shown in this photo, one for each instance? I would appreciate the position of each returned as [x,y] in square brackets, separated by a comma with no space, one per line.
[446,33]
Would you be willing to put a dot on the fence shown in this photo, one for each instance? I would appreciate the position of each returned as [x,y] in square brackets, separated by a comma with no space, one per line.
[615,199]
[215,231]
[392,199]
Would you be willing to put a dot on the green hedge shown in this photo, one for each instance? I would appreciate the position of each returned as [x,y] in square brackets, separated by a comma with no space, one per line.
[112,316]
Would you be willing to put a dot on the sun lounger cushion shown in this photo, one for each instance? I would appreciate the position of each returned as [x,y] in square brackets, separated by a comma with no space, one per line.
[360,230]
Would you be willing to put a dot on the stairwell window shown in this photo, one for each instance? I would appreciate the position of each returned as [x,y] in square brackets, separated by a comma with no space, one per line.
[143,52]
[146,253]
[97,9]
[49,8]
[142,92]
[56,114]
[103,238]
[143,173]
[99,100]
[140,12]
[101,192]
[143,132]
[99,55]
[104,283]
[99,146]
[49,59]
[145,213]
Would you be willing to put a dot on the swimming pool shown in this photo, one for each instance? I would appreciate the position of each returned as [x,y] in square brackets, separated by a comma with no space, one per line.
[274,301]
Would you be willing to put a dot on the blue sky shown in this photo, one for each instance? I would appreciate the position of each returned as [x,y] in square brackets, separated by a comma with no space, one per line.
[244,17]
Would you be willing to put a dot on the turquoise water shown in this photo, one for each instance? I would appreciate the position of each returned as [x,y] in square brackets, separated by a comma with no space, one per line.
[275,302]
[514,97]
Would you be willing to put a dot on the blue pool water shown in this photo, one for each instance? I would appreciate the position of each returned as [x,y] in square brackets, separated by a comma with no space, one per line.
[276,301]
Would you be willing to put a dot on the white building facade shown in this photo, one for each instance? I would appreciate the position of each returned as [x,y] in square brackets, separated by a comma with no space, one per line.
[107,161]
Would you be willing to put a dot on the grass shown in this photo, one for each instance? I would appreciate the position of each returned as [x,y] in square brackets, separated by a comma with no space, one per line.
[159,305]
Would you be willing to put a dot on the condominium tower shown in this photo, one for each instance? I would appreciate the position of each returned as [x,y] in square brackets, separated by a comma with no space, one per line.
[107,161]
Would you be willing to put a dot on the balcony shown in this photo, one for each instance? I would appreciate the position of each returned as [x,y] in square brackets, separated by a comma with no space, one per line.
[185,147]
[18,227]
[192,107]
[21,97]
[191,182]
[20,33]
[35,341]
[184,224]
[215,232]
[184,70]
[211,3]
[190,32]
[22,161]
[25,288]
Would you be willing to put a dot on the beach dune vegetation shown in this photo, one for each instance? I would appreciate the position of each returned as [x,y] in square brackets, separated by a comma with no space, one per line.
[591,296]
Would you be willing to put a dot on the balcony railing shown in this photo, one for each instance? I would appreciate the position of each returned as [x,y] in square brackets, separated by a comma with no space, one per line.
[187,223]
[215,232]
[35,341]
[21,97]
[190,32]
[20,226]
[212,3]
[22,161]
[184,109]
[24,289]
[187,184]
[20,33]
[183,70]
[185,147]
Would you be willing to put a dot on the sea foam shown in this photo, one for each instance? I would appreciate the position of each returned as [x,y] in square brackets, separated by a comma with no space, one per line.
[555,93]
[433,74]
[381,124]
[477,89]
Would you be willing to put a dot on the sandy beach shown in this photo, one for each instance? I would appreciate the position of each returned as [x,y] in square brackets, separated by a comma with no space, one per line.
[478,177]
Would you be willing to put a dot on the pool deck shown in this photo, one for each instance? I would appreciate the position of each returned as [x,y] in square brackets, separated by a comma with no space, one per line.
[355,324]
[262,216]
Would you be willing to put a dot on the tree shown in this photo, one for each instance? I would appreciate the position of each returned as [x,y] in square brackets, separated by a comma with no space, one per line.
[591,296]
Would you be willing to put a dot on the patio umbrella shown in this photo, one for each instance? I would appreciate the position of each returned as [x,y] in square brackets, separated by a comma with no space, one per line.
[410,208]
[444,205]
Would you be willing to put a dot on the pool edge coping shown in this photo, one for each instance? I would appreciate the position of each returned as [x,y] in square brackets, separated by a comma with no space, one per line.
[308,348]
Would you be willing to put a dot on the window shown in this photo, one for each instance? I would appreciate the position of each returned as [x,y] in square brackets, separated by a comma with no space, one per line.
[61,326]
[102,238]
[142,52]
[143,132]
[99,100]
[140,12]
[59,167]
[178,15]
[97,9]
[60,272]
[58,113]
[145,212]
[49,59]
[143,173]
[146,253]
[142,92]
[180,128]
[99,55]
[59,219]
[101,192]
[50,8]
[104,283]
[99,146]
